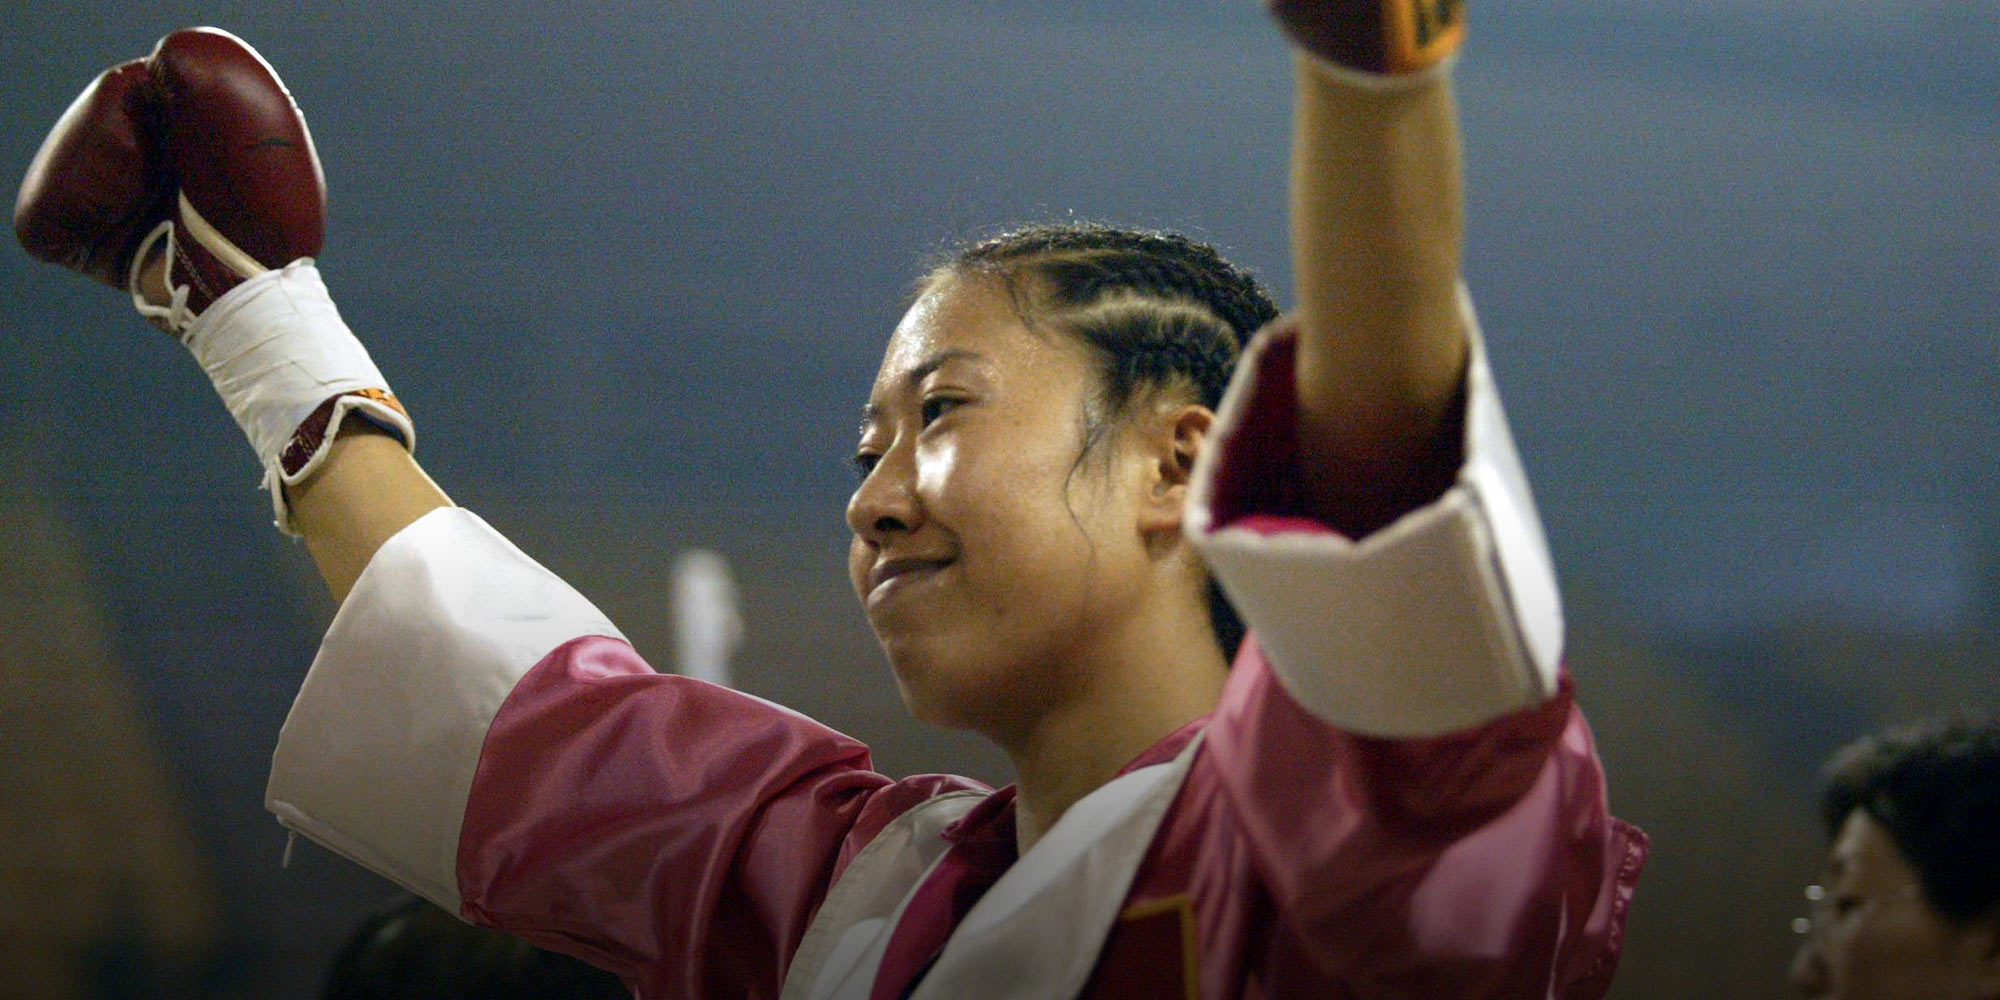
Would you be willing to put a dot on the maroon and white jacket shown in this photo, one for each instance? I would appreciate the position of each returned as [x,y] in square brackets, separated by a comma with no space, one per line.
[1396,796]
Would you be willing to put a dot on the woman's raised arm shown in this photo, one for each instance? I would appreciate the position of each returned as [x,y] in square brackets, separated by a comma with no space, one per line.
[1377,224]
[1374,409]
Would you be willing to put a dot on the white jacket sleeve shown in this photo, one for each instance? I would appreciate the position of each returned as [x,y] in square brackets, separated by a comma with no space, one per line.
[377,756]
[1444,619]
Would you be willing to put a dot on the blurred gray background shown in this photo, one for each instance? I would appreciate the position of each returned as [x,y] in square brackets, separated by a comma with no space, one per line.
[631,267]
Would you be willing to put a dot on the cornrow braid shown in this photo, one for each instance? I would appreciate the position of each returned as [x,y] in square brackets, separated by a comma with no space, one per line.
[1161,310]
[1157,305]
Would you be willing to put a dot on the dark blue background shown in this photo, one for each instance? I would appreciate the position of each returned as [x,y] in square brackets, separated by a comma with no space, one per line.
[631,266]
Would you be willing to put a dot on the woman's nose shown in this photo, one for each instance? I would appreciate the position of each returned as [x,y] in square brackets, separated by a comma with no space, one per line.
[886,501]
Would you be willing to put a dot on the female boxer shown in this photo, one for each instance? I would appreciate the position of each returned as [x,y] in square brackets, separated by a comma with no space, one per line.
[1389,793]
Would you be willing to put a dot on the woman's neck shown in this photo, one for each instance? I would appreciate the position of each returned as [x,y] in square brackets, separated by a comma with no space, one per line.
[1146,686]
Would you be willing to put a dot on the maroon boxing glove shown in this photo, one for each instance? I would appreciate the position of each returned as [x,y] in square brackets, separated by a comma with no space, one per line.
[197,153]
[199,145]
[97,187]
[1380,43]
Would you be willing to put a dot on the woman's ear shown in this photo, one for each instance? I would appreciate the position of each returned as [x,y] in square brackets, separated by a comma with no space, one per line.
[1173,437]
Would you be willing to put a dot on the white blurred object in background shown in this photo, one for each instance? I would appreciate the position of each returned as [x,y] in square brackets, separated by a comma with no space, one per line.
[707,625]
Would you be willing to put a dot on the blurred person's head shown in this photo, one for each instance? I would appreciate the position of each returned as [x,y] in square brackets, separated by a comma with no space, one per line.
[1908,903]
[415,951]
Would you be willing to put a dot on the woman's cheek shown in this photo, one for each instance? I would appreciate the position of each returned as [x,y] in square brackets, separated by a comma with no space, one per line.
[937,476]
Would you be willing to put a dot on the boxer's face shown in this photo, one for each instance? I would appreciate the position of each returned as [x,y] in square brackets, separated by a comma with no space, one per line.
[1876,937]
[984,552]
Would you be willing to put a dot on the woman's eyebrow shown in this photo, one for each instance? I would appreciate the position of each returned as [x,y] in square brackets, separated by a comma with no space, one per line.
[939,360]
[870,411]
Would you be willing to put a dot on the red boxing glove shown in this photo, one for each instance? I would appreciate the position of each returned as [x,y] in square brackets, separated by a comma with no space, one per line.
[198,153]
[198,144]
[1378,43]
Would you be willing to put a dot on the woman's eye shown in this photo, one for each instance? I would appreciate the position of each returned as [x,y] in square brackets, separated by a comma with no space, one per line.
[936,406]
[864,463]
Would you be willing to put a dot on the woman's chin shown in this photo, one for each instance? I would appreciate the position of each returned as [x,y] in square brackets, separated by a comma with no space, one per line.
[947,691]
[924,692]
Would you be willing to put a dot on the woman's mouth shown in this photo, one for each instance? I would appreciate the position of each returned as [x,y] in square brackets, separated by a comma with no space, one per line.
[892,575]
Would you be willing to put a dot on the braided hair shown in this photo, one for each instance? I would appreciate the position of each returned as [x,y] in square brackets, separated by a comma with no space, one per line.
[1161,311]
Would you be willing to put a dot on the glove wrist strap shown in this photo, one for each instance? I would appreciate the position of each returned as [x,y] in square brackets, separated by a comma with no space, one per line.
[1381,45]
[290,371]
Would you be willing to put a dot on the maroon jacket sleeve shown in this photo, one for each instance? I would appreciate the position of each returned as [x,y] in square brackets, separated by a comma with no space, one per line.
[477,731]
[1476,863]
[1398,745]
[675,832]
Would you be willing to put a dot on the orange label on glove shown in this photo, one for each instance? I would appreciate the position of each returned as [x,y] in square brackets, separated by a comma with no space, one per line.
[1417,34]
[306,441]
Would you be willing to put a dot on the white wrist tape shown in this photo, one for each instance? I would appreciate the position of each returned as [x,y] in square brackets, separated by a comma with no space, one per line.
[275,348]
[1382,83]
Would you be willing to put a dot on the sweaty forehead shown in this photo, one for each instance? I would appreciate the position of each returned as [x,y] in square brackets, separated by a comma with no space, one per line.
[960,320]
[918,335]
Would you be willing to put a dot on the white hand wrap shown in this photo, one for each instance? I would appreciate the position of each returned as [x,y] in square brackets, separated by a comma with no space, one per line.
[276,349]
[1381,83]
